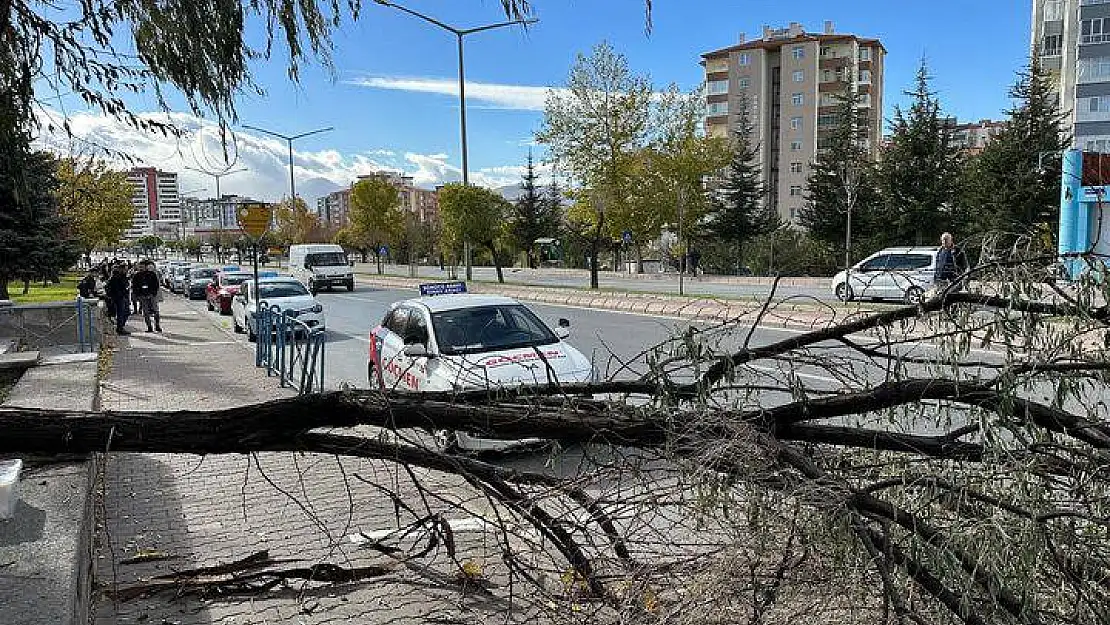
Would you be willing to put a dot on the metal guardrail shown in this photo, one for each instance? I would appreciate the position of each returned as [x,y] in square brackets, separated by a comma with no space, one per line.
[290,349]
[49,323]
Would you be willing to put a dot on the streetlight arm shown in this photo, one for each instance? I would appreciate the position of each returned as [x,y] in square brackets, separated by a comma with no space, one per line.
[269,132]
[478,29]
[311,132]
[430,20]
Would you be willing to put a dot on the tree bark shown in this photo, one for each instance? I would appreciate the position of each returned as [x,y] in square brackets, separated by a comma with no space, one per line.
[496,260]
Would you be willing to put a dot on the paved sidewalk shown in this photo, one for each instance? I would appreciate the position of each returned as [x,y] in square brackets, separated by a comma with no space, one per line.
[216,509]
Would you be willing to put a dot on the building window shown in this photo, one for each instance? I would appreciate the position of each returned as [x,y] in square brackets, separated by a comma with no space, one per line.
[798,52]
[743,82]
[744,59]
[865,76]
[826,120]
[1096,144]
[715,87]
[793,213]
[1053,10]
[795,190]
[795,123]
[1094,70]
[795,146]
[864,99]
[716,108]
[796,167]
[1051,45]
[865,54]
[799,75]
[796,99]
[827,75]
[1096,30]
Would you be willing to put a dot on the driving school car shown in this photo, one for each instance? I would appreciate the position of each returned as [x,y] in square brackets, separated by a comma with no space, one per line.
[448,340]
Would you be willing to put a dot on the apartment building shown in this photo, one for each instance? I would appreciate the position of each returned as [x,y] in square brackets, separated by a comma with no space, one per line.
[1071,39]
[789,79]
[972,137]
[212,214]
[334,208]
[156,202]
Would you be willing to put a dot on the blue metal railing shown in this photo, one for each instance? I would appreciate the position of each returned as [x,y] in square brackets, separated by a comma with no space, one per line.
[290,349]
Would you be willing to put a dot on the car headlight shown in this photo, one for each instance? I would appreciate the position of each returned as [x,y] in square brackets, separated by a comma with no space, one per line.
[317,309]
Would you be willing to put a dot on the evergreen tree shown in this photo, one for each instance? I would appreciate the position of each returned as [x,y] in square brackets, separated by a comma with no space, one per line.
[740,211]
[841,181]
[532,216]
[1014,184]
[920,171]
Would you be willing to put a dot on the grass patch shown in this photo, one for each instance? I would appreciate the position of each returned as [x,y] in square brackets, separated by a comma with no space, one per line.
[65,290]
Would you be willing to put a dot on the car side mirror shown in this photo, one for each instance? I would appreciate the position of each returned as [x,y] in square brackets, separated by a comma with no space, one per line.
[562,332]
[564,322]
[307,265]
[417,350]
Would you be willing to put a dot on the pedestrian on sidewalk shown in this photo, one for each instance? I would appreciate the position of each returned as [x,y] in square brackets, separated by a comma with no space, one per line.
[118,296]
[951,265]
[144,287]
[86,288]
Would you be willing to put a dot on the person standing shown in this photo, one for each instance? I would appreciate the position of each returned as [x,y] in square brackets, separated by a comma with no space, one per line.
[118,297]
[144,288]
[951,264]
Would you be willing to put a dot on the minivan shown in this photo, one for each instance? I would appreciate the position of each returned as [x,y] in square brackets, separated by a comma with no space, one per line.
[321,266]
[895,273]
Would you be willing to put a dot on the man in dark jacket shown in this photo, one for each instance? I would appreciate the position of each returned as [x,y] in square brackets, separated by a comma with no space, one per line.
[144,288]
[119,297]
[951,263]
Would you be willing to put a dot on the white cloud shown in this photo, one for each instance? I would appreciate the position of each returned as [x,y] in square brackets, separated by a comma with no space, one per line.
[265,158]
[489,95]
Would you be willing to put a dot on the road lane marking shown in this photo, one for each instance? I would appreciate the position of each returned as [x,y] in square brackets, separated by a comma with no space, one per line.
[765,369]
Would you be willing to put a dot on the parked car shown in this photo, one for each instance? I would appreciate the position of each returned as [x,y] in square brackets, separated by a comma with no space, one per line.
[460,342]
[220,291]
[197,281]
[284,293]
[178,276]
[166,271]
[896,273]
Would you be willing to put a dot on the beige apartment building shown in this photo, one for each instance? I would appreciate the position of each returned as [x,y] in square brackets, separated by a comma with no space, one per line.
[334,209]
[789,79]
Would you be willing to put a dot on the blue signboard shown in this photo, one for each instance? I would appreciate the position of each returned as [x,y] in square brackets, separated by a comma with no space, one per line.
[267,274]
[383,250]
[627,236]
[442,288]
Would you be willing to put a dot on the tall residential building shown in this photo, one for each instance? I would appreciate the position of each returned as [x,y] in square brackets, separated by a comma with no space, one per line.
[789,80]
[1071,39]
[334,208]
[211,214]
[972,137]
[156,203]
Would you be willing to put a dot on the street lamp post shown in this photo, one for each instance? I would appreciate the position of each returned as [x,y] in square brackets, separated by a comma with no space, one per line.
[289,139]
[459,34]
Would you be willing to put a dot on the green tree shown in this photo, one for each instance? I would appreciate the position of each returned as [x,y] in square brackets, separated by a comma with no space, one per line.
[1014,184]
[532,215]
[294,222]
[96,198]
[474,214]
[376,215]
[193,247]
[841,185]
[35,238]
[149,244]
[740,210]
[920,170]
[352,238]
[594,130]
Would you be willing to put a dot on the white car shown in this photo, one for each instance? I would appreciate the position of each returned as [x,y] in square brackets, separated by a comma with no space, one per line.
[285,293]
[899,273]
[466,342]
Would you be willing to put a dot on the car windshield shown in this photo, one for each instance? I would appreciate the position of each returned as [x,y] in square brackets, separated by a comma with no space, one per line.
[232,279]
[326,259]
[202,273]
[489,328]
[281,289]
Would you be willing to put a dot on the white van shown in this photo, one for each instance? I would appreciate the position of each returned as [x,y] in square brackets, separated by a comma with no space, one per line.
[321,266]
[899,273]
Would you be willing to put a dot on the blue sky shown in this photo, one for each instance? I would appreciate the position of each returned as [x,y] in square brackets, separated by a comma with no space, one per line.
[408,117]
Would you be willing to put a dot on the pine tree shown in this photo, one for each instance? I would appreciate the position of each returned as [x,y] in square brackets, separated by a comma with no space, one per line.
[841,182]
[739,209]
[532,215]
[920,171]
[1014,184]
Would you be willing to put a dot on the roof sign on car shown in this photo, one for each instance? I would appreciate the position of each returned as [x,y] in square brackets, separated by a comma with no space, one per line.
[230,268]
[267,274]
[442,288]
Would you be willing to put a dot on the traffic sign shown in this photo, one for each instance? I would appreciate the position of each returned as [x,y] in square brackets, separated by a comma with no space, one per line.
[627,236]
[383,250]
[254,218]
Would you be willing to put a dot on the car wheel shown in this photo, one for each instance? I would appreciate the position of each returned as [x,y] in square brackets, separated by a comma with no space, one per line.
[446,441]
[914,295]
[844,292]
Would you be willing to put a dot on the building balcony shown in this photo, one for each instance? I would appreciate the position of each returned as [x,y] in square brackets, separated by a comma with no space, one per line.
[834,62]
[833,86]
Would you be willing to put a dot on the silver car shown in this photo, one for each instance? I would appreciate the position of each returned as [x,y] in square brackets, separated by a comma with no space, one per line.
[896,273]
